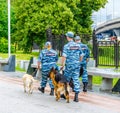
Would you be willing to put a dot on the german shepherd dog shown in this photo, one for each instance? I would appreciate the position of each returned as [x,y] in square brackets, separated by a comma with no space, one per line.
[60,84]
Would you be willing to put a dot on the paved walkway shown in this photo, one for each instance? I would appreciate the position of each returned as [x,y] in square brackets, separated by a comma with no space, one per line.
[13,97]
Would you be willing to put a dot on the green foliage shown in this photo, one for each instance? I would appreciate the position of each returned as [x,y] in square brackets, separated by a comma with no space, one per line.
[34,17]
[87,8]
[4,46]
[3,18]
[31,18]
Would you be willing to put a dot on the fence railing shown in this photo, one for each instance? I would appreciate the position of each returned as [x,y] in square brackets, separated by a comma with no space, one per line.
[106,53]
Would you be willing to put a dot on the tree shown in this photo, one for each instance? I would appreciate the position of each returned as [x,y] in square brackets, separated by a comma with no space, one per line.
[34,17]
[4,25]
[87,8]
[3,18]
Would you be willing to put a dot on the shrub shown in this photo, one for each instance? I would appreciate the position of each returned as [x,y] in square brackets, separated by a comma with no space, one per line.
[4,46]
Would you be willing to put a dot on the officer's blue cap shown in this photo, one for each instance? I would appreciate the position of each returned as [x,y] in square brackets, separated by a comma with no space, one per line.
[47,43]
[77,38]
[70,34]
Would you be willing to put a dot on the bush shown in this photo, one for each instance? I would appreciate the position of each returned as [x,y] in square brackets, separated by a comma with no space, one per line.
[4,46]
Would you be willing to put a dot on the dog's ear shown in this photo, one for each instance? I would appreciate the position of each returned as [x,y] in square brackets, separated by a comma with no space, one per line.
[52,69]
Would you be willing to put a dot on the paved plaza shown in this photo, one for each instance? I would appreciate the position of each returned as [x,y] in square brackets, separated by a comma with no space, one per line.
[14,100]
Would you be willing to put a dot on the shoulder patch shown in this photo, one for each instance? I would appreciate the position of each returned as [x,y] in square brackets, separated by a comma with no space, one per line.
[50,54]
[74,47]
[83,48]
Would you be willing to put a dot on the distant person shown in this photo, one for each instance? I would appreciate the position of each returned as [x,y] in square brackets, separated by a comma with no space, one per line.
[83,63]
[71,56]
[47,59]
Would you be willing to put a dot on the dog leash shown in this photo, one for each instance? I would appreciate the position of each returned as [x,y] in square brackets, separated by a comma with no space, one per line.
[34,73]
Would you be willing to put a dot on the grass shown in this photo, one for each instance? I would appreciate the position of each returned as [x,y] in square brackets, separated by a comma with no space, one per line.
[98,80]
[3,55]
[17,68]
[115,81]
[21,56]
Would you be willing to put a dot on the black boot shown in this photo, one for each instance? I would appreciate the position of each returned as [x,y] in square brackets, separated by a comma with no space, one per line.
[52,91]
[41,89]
[76,97]
[85,86]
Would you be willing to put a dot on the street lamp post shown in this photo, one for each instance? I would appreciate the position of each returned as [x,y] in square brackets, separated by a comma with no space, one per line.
[113,10]
[9,41]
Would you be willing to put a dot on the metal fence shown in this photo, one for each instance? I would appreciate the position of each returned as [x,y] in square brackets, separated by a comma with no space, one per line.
[106,53]
[58,41]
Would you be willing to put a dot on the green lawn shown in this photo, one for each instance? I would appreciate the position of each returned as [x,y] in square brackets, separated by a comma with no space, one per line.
[21,56]
[97,80]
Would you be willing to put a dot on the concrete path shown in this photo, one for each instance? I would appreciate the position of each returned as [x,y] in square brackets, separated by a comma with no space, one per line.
[14,100]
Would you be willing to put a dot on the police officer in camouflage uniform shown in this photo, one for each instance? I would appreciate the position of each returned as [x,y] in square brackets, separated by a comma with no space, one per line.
[83,63]
[47,59]
[70,58]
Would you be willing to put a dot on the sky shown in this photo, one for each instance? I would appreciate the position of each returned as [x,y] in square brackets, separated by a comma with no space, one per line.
[111,11]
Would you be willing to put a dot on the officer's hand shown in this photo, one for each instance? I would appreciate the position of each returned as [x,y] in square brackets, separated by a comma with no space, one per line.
[38,66]
[87,60]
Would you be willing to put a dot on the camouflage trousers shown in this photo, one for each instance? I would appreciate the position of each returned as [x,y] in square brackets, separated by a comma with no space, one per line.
[73,73]
[85,74]
[45,79]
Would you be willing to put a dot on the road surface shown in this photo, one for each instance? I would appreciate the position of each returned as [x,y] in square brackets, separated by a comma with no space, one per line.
[14,100]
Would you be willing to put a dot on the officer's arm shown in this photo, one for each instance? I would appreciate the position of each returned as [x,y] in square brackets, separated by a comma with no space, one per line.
[63,61]
[81,54]
[88,54]
[81,57]
[64,55]
[38,64]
